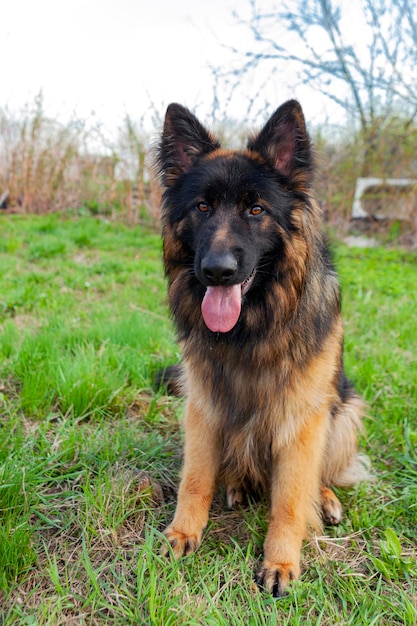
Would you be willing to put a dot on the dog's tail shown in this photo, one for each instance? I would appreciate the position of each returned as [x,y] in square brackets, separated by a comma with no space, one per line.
[171,378]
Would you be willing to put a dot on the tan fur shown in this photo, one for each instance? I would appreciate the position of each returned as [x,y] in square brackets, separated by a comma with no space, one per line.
[269,408]
[297,426]
[199,476]
[344,466]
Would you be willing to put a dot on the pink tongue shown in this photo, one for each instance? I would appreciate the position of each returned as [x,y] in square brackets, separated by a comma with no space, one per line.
[221,307]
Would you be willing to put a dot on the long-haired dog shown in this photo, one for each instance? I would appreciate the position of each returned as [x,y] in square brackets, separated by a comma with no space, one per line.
[256,303]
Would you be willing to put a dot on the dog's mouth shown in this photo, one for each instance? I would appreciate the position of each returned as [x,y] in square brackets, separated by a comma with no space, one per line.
[221,305]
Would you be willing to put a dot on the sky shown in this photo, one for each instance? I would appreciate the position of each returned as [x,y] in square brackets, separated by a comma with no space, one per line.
[103,59]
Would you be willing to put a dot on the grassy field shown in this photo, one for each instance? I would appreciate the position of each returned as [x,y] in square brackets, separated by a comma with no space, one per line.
[90,453]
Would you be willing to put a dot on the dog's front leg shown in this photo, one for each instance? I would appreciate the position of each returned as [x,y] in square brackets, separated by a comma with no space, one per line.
[295,494]
[199,473]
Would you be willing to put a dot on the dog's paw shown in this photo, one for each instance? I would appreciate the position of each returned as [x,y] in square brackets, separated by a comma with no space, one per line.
[331,507]
[275,577]
[182,544]
[236,497]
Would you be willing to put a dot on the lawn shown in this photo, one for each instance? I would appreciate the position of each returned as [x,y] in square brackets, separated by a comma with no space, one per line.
[90,452]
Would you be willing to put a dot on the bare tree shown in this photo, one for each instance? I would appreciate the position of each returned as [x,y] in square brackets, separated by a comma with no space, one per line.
[362,55]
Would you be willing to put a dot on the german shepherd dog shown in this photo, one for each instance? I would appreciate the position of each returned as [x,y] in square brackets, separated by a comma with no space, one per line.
[256,303]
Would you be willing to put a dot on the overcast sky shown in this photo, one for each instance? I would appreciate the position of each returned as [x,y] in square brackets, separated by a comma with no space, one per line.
[113,57]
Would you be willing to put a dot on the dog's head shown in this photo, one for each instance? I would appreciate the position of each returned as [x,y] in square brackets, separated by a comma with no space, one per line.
[229,215]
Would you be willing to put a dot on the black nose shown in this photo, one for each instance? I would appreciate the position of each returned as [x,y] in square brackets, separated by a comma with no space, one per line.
[219,269]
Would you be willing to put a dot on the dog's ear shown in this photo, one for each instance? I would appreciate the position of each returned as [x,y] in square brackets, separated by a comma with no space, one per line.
[284,142]
[184,139]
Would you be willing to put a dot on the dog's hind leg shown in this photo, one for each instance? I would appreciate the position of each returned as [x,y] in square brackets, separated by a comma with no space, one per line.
[331,507]
[343,466]
[235,496]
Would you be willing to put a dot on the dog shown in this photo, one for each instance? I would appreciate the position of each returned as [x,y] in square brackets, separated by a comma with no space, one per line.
[256,303]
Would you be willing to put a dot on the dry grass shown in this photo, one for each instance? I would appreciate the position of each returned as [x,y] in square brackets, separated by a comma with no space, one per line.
[46,166]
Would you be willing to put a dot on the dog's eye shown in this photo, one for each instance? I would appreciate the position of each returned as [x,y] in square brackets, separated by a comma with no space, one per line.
[256,210]
[203,207]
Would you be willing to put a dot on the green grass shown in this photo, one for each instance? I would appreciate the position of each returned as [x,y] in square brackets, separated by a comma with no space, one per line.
[90,454]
